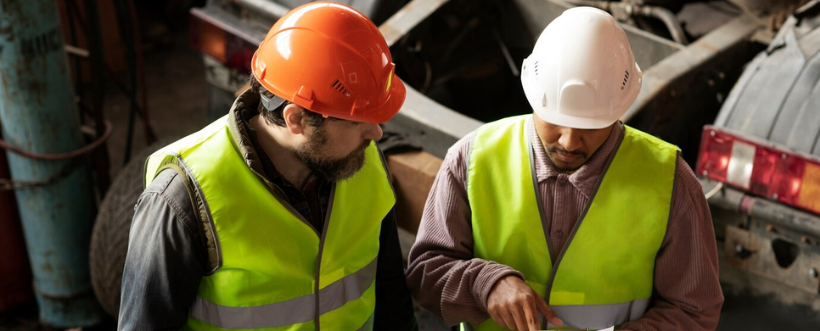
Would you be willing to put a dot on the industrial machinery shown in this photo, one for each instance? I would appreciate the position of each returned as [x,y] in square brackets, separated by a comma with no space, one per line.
[461,59]
[760,165]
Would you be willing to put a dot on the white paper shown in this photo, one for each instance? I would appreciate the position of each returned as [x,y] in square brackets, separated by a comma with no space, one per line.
[611,328]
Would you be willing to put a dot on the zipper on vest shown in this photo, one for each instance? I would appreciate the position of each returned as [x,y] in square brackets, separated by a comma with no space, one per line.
[538,192]
[279,196]
[274,190]
[581,218]
[321,250]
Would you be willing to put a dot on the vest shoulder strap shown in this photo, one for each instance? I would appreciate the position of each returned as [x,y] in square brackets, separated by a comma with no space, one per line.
[202,219]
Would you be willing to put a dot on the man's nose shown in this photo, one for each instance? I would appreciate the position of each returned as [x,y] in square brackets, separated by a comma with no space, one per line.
[372,131]
[570,139]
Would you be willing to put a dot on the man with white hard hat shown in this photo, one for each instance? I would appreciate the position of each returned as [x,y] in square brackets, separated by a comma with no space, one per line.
[569,214]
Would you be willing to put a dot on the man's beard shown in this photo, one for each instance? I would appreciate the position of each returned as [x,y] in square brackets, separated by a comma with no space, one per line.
[330,169]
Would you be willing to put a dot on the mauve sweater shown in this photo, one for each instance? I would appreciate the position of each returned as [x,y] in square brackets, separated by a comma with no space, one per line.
[448,280]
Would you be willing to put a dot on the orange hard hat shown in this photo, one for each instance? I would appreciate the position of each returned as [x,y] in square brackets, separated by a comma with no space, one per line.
[331,59]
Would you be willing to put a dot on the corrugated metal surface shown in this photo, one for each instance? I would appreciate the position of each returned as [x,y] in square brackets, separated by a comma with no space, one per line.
[778,96]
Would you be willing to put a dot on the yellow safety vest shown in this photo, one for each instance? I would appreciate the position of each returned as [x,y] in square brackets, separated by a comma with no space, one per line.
[277,272]
[603,276]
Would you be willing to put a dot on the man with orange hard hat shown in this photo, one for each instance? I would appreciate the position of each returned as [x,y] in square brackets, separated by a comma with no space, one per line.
[279,216]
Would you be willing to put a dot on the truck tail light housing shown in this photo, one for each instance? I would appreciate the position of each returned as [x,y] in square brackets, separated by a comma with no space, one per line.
[228,45]
[760,168]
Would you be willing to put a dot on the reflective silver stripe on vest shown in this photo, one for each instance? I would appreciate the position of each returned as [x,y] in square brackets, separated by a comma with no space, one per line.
[596,317]
[368,326]
[293,311]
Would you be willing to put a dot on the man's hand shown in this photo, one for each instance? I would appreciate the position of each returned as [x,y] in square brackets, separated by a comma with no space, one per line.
[514,305]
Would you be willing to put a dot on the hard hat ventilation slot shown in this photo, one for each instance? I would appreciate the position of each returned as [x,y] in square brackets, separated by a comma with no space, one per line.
[339,87]
[535,68]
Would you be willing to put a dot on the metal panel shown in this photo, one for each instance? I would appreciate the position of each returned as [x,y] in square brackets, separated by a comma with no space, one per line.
[231,24]
[685,91]
[799,120]
[407,18]
[758,105]
[809,41]
[368,7]
[734,95]
[765,211]
[716,44]
[793,111]
[778,96]
[269,9]
[811,122]
[427,123]
[756,254]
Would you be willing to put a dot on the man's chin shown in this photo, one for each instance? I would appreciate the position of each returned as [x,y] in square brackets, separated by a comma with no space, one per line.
[341,169]
[566,167]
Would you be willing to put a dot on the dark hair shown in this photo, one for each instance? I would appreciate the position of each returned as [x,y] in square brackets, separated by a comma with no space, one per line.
[274,116]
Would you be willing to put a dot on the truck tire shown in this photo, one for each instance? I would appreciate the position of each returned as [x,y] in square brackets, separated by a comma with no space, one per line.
[109,239]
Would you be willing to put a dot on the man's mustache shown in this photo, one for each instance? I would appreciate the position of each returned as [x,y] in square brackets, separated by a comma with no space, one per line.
[554,149]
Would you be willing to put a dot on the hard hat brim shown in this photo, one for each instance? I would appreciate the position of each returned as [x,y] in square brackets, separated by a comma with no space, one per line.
[575,122]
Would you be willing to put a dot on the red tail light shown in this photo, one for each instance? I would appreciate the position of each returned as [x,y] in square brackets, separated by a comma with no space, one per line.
[228,45]
[760,168]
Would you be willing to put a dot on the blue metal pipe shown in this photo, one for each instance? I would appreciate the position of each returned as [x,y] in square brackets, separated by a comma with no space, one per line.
[38,114]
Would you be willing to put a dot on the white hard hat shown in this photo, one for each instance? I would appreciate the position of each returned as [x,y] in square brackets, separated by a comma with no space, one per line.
[581,73]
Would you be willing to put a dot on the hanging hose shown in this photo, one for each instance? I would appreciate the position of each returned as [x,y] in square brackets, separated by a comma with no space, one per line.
[97,63]
[137,64]
[668,19]
[61,156]
[126,16]
[7,185]
[150,135]
[124,19]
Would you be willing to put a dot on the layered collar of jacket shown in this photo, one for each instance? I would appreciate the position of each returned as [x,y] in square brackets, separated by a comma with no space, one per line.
[585,178]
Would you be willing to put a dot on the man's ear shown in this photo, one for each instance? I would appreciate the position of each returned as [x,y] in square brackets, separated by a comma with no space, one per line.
[293,115]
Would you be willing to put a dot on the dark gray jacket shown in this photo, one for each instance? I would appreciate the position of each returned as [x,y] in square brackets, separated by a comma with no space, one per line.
[170,249]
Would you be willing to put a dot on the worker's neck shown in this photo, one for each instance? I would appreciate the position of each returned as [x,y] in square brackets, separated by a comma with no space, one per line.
[279,145]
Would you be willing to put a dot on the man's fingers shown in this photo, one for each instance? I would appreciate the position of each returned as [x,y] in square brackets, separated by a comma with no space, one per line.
[520,320]
[547,312]
[531,315]
[497,318]
[542,306]
[507,319]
